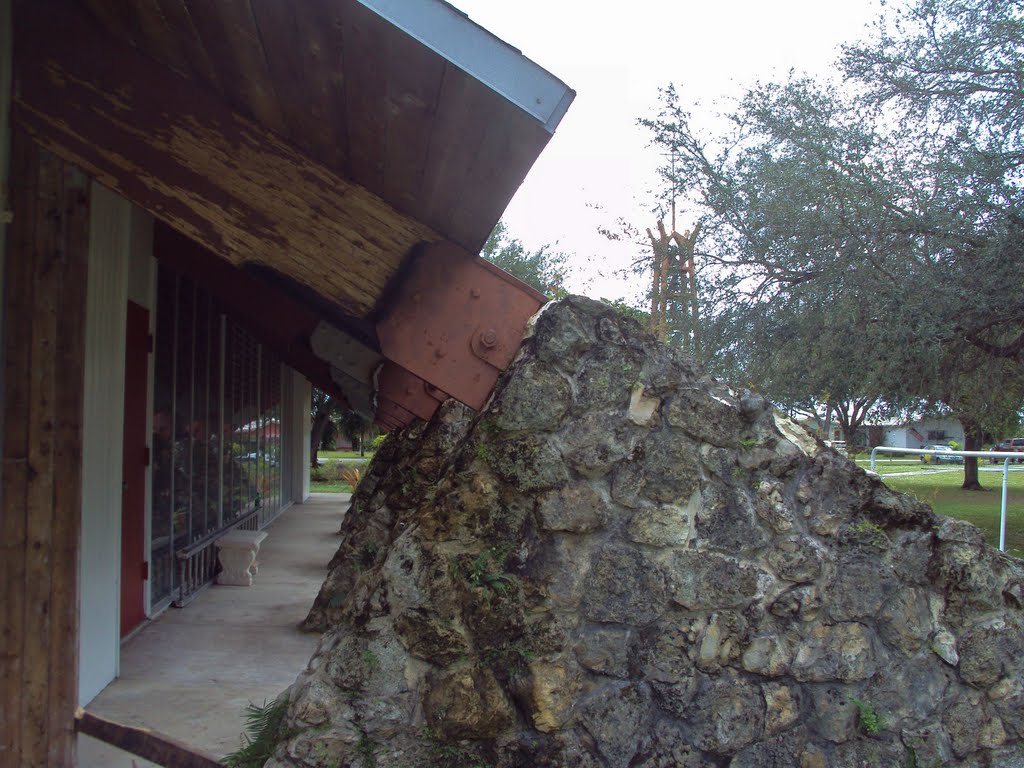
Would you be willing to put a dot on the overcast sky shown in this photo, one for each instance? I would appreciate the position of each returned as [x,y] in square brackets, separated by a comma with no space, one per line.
[616,55]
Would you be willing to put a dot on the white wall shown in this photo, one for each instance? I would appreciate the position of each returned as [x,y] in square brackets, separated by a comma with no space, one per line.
[897,438]
[900,437]
[103,426]
[952,427]
[142,270]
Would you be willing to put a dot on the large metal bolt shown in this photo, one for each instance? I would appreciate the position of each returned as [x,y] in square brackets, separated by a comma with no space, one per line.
[489,338]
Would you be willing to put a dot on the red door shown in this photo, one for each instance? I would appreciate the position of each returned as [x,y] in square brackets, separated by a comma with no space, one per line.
[136,459]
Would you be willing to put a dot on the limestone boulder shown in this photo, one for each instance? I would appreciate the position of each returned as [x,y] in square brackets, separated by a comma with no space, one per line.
[621,562]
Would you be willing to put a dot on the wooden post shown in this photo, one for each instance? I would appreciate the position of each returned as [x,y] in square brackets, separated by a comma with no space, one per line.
[678,308]
[146,743]
[687,243]
[40,513]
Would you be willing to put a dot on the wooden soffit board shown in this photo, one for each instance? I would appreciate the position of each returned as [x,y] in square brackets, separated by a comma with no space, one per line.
[407,98]
[218,177]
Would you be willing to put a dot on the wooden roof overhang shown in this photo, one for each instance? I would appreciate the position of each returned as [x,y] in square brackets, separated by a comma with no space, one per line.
[341,160]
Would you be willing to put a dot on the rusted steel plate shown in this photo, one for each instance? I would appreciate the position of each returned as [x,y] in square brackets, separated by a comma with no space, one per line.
[396,384]
[456,321]
[394,412]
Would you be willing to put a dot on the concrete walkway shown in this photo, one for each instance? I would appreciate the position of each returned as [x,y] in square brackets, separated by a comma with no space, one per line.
[190,672]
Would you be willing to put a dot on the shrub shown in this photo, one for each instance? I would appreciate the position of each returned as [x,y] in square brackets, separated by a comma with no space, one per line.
[349,475]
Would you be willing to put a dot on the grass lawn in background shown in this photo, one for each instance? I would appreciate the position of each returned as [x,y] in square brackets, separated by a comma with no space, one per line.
[941,490]
[335,476]
[329,486]
[344,455]
[888,460]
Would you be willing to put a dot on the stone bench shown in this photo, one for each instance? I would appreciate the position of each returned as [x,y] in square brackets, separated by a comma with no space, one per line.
[237,552]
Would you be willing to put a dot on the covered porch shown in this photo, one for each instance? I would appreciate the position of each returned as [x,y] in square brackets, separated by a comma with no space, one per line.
[206,209]
[190,673]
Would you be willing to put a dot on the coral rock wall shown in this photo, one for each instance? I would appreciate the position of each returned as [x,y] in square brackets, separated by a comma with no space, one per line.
[620,562]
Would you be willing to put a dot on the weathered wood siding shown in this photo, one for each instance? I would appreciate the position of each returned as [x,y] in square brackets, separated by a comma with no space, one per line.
[40,515]
[103,424]
[5,134]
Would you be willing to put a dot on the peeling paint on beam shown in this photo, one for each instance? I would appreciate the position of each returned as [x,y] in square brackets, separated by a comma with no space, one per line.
[215,176]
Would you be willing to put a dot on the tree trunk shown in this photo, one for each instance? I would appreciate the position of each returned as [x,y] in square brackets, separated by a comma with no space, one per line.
[972,442]
[849,432]
[317,434]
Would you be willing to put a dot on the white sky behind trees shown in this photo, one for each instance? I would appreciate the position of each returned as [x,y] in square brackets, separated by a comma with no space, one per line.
[615,55]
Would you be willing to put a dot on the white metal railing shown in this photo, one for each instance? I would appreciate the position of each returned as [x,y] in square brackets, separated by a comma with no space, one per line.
[1005,455]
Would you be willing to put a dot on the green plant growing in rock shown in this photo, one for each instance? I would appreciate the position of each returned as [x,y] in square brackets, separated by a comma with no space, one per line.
[410,480]
[513,654]
[323,757]
[372,662]
[483,451]
[485,570]
[749,442]
[367,748]
[868,718]
[872,533]
[264,729]
[369,552]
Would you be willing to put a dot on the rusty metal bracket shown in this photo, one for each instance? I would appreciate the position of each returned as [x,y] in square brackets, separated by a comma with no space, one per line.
[407,390]
[393,414]
[456,321]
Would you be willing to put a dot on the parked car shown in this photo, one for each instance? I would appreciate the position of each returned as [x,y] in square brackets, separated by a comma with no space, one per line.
[1013,445]
[940,454]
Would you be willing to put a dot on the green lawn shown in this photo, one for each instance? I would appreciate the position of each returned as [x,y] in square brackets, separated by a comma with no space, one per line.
[942,491]
[330,486]
[888,460]
[344,455]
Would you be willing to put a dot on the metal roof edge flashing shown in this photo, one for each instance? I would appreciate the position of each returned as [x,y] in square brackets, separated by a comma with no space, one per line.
[458,39]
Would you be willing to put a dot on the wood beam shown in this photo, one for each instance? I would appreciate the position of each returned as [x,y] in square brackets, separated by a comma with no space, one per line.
[174,149]
[40,516]
[148,744]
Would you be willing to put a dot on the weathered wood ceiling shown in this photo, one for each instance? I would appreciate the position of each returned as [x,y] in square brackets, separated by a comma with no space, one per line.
[328,148]
[354,93]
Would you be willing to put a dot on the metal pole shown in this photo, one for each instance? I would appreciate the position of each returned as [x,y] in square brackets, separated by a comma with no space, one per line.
[979,454]
[1002,508]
